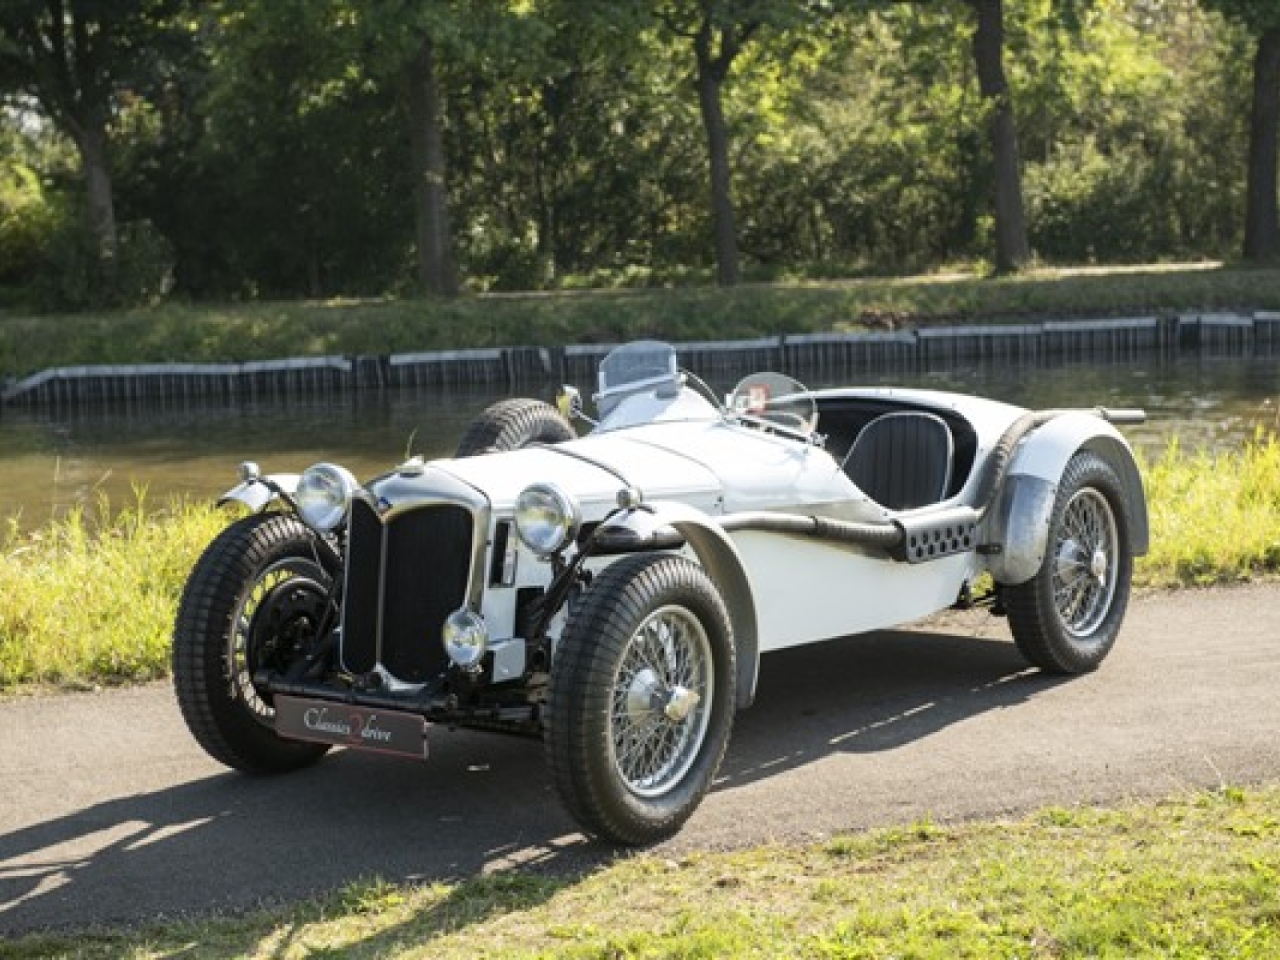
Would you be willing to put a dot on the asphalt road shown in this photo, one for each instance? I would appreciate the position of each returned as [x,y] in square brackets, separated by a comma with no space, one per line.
[109,812]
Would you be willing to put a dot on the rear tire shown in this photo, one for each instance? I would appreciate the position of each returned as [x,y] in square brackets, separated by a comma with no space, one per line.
[512,424]
[253,600]
[1066,618]
[641,699]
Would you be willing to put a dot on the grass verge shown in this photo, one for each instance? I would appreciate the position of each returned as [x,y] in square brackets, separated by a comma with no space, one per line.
[1215,516]
[215,333]
[90,598]
[1198,876]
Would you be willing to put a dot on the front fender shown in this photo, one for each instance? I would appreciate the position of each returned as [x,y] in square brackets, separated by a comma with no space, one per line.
[258,493]
[719,557]
[1018,521]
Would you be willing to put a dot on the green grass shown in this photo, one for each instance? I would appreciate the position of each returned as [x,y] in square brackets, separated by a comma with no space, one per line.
[89,598]
[1196,876]
[1215,516]
[255,331]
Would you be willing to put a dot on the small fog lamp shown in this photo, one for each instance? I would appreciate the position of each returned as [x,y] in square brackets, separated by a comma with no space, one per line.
[466,638]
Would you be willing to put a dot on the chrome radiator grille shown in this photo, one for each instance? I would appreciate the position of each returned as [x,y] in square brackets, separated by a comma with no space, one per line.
[404,577]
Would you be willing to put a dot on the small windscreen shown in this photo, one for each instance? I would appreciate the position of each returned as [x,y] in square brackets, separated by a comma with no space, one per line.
[640,364]
[775,399]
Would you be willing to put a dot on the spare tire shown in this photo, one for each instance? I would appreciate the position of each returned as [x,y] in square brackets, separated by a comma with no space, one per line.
[512,424]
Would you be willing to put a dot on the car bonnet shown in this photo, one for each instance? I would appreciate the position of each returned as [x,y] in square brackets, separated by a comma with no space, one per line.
[716,467]
[592,469]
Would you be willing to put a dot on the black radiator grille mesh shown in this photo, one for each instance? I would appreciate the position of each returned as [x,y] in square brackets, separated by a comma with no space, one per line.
[360,602]
[427,568]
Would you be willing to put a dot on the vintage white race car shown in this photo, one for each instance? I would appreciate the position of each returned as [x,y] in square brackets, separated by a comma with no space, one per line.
[614,593]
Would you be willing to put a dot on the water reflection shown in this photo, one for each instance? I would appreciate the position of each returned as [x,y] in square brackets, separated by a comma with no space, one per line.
[52,460]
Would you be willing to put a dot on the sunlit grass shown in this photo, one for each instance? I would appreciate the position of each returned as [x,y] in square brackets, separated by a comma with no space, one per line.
[1215,515]
[1196,876]
[89,598]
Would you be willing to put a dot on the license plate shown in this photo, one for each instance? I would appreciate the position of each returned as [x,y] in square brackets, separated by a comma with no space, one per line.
[347,725]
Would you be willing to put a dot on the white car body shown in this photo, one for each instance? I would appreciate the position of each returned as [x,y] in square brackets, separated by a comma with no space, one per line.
[681,537]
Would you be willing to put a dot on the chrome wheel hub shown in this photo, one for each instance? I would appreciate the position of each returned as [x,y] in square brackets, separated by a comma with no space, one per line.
[644,694]
[1098,566]
[680,703]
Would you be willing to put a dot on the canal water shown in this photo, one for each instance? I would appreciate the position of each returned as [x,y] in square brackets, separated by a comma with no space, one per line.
[51,460]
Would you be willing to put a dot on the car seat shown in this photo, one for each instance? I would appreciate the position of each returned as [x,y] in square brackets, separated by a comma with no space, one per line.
[902,460]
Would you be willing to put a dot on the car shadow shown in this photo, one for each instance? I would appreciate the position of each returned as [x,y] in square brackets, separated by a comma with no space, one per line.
[232,842]
[481,804]
[870,693]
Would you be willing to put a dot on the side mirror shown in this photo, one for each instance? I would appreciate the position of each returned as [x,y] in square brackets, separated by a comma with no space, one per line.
[569,402]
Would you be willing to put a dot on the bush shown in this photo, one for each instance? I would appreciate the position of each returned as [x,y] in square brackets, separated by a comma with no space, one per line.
[72,275]
[28,221]
[144,272]
[1089,207]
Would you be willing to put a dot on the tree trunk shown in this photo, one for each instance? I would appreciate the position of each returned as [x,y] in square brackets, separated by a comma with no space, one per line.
[436,270]
[1262,218]
[710,81]
[91,142]
[1012,249]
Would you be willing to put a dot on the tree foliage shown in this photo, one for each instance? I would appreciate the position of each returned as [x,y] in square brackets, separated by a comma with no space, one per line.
[279,148]
[76,60]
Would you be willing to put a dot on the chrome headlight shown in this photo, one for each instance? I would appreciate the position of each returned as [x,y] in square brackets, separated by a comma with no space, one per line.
[466,638]
[324,495]
[547,518]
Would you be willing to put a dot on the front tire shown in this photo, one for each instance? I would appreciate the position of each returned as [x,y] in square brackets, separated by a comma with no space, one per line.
[254,599]
[1066,618]
[641,699]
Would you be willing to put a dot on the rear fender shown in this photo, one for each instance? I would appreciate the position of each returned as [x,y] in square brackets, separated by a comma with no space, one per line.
[1018,522]
[718,556]
[257,494]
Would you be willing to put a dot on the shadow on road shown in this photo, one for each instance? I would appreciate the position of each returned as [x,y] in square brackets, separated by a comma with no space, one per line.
[230,841]
[481,803]
[872,693]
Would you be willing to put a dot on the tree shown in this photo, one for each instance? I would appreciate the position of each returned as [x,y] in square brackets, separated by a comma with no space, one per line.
[292,176]
[719,31]
[73,58]
[437,271]
[410,40]
[1013,251]
[1262,206]
[402,43]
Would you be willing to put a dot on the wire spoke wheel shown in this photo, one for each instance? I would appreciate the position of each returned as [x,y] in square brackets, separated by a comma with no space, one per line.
[1066,618]
[255,600]
[276,621]
[641,698]
[1084,574]
[661,696]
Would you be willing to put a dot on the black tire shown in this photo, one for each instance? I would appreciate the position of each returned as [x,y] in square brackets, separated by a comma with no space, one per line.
[512,424]
[647,622]
[1066,618]
[253,599]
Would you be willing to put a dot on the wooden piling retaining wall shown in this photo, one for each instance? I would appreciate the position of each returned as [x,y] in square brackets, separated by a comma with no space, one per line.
[824,355]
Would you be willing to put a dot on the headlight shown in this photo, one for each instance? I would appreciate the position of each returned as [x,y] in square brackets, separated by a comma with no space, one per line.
[466,638]
[323,495]
[546,518]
